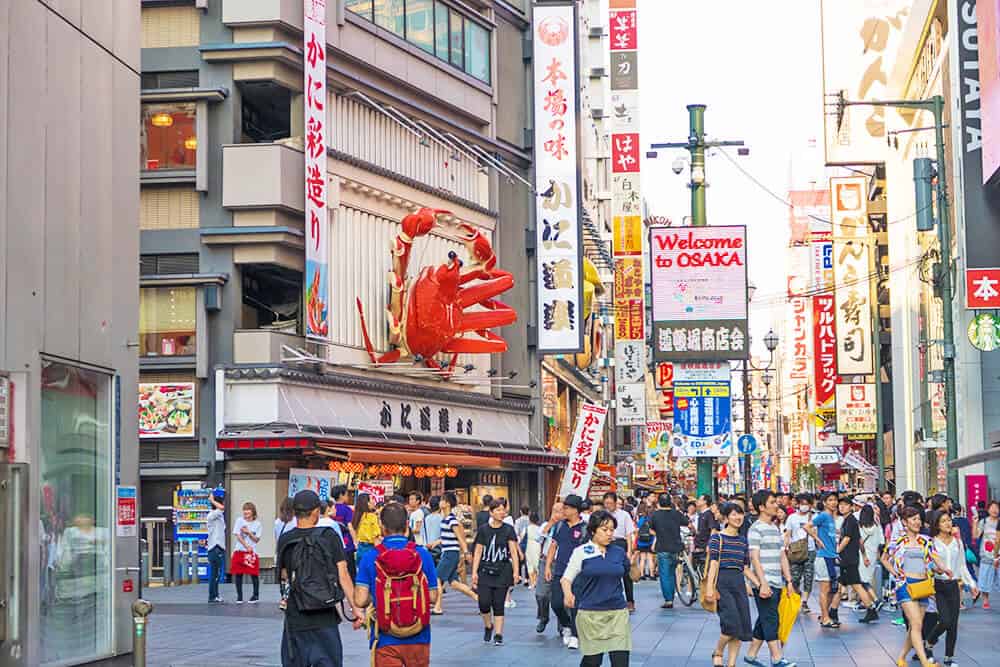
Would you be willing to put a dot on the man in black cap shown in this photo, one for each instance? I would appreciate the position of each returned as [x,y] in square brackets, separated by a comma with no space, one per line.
[305,559]
[570,533]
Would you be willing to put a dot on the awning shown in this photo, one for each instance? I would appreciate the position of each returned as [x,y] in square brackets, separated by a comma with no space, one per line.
[973,459]
[406,457]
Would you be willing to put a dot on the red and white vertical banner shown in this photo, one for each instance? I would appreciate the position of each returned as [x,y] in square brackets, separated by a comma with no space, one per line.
[824,350]
[317,279]
[583,450]
[626,211]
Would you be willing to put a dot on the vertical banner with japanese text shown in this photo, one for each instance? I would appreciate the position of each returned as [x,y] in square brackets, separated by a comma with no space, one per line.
[583,450]
[851,269]
[316,283]
[626,214]
[560,285]
[824,350]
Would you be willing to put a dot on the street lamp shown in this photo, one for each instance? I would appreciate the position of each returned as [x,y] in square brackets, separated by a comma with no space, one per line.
[771,343]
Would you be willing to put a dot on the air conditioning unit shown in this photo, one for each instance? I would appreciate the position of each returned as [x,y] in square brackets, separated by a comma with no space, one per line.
[596,32]
[598,72]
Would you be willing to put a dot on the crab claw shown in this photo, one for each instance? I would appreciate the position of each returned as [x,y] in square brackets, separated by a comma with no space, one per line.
[421,222]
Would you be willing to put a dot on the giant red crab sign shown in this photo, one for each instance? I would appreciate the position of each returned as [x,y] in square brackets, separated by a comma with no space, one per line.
[430,315]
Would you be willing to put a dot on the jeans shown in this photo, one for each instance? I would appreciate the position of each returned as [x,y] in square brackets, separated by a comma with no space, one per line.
[216,567]
[766,627]
[566,617]
[667,563]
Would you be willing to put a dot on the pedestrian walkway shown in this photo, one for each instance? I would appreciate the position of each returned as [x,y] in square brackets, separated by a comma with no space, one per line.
[186,632]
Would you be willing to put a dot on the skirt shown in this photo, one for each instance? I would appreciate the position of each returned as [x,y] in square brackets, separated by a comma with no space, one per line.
[244,562]
[603,631]
[532,556]
[734,605]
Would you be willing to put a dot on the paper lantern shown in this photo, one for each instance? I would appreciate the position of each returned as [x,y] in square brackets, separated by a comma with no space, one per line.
[406,471]
[191,143]
[162,119]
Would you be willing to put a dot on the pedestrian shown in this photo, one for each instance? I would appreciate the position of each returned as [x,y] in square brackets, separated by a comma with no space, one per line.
[624,538]
[483,515]
[326,518]
[495,569]
[823,530]
[569,533]
[543,589]
[986,530]
[850,559]
[314,566]
[453,548]
[399,581]
[644,543]
[769,563]
[285,520]
[415,517]
[215,543]
[592,585]
[343,517]
[910,560]
[245,561]
[872,541]
[432,528]
[707,524]
[366,525]
[521,529]
[729,570]
[585,509]
[532,548]
[666,529]
[947,589]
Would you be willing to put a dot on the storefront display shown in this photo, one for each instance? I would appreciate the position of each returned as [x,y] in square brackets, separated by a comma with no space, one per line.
[191,508]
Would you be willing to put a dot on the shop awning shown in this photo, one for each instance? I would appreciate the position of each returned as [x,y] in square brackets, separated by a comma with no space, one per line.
[972,459]
[405,457]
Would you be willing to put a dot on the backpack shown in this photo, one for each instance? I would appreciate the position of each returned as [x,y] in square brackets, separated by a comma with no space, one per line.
[645,530]
[401,594]
[314,582]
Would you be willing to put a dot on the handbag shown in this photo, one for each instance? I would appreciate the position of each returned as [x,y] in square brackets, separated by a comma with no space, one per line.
[798,551]
[970,556]
[706,604]
[921,589]
[491,569]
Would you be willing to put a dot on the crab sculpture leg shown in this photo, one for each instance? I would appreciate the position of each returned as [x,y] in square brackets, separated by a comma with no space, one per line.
[483,267]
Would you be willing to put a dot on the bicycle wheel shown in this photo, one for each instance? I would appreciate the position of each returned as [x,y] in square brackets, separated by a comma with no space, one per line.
[686,585]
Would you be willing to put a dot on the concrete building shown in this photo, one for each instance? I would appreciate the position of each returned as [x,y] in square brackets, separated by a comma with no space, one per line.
[69,85]
[428,105]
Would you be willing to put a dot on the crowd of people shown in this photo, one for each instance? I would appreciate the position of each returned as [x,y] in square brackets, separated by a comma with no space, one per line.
[387,567]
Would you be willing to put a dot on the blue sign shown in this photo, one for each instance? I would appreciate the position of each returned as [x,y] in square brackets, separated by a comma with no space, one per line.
[746,444]
[703,418]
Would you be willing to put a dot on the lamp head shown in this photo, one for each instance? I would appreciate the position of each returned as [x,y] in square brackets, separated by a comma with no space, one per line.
[771,341]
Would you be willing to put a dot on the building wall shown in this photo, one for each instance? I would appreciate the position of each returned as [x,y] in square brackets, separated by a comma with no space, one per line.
[69,208]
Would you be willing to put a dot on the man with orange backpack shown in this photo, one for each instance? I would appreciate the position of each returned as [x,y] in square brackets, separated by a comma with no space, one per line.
[399,581]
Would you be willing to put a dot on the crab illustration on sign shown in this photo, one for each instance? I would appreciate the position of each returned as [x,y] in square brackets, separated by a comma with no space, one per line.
[430,315]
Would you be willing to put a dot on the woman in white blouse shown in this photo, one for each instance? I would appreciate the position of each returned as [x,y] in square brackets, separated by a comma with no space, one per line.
[948,590]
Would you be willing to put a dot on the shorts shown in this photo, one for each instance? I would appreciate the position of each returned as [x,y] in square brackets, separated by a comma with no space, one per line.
[989,577]
[646,549]
[903,594]
[447,569]
[827,570]
[849,575]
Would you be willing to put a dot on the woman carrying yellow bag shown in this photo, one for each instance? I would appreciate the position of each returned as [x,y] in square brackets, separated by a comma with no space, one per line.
[911,559]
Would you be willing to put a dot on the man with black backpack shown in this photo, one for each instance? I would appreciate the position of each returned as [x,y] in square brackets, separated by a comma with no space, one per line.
[314,566]
[399,579]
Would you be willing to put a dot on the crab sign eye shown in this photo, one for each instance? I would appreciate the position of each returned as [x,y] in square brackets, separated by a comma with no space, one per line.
[452,255]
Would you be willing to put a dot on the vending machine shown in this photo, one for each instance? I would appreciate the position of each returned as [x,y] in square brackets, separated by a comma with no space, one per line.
[191,508]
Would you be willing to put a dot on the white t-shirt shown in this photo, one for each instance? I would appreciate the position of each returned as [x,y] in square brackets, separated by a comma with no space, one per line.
[794,527]
[327,522]
[280,528]
[253,527]
[509,520]
[625,526]
[417,519]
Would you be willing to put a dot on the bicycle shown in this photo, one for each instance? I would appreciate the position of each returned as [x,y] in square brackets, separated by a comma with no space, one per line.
[688,579]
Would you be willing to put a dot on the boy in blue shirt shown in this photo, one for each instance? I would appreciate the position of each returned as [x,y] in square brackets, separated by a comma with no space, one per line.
[824,531]
[412,651]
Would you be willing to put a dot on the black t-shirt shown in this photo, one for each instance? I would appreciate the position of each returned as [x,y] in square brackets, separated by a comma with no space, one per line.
[851,555]
[315,620]
[496,555]
[667,526]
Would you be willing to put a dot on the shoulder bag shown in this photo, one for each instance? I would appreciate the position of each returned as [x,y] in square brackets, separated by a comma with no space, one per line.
[706,604]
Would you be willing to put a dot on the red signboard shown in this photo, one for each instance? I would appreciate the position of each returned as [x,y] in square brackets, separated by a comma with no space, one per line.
[824,349]
[625,153]
[624,32]
[982,288]
[664,374]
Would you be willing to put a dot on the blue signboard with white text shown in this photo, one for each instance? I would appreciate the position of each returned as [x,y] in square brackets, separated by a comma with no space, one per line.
[703,418]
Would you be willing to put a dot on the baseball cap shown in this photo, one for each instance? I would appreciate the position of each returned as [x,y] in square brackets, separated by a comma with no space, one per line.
[574,501]
[305,501]
[219,493]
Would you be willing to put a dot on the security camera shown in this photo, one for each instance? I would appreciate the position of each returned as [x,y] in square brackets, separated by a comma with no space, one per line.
[678,165]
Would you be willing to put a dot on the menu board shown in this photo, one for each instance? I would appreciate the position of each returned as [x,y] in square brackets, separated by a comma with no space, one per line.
[166,410]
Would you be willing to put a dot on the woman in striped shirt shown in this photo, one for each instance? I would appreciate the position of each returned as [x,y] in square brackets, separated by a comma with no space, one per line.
[729,570]
[453,547]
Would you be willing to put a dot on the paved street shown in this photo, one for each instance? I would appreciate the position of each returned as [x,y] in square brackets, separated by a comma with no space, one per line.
[186,632]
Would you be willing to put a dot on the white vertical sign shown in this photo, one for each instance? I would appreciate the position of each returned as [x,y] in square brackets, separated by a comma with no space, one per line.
[851,269]
[583,451]
[560,289]
[316,281]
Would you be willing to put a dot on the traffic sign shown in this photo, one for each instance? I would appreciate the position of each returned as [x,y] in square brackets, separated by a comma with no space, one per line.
[746,444]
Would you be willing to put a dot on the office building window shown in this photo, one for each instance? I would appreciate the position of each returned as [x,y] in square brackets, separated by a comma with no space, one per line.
[168,139]
[166,321]
[434,27]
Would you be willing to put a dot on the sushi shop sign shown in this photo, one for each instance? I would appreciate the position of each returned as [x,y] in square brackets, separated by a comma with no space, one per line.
[166,410]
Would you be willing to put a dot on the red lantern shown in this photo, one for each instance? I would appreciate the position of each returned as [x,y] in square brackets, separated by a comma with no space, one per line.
[407,471]
[452,472]
[418,473]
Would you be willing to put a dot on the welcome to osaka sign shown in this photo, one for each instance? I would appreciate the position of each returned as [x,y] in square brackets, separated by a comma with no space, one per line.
[699,280]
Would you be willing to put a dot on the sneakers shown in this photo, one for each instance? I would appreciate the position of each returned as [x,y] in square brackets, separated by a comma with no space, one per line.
[753,661]
[498,640]
[239,602]
[487,634]
[566,634]
[216,601]
[510,604]
[540,628]
[869,617]
[986,605]
[254,600]
[784,662]
[573,643]
[805,607]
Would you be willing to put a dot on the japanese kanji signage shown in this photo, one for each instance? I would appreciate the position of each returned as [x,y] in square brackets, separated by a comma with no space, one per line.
[128,517]
[630,361]
[982,288]
[851,269]
[628,299]
[856,412]
[658,444]
[699,281]
[560,319]
[317,282]
[583,451]
[630,404]
[627,238]
[824,349]
[703,409]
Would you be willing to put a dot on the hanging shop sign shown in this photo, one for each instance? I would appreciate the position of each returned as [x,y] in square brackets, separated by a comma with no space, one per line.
[127,524]
[797,316]
[824,349]
[317,279]
[378,489]
[583,452]
[658,444]
[628,300]
[166,410]
[556,178]
[630,404]
[702,409]
[493,478]
[699,285]
[307,479]
[852,268]
[860,40]
[664,374]
[827,449]
[982,289]
[630,361]
[856,409]
[984,332]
